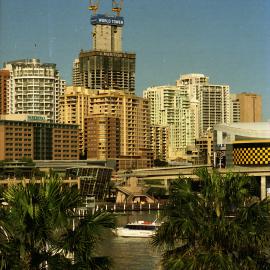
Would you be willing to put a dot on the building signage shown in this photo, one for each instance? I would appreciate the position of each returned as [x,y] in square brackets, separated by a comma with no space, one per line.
[107,20]
[36,118]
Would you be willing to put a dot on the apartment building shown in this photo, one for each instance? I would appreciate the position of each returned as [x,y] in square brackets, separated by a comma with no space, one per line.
[211,102]
[74,109]
[103,136]
[134,126]
[170,106]
[159,141]
[33,88]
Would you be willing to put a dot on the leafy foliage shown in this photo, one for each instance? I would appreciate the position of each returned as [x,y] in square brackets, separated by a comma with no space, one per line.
[39,230]
[220,227]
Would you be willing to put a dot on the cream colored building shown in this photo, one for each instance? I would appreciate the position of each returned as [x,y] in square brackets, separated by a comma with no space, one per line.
[33,88]
[170,106]
[211,102]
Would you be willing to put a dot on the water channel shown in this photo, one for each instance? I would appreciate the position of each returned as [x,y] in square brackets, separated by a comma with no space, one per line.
[132,253]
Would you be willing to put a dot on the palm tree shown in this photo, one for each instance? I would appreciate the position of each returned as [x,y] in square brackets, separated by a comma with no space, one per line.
[221,227]
[39,229]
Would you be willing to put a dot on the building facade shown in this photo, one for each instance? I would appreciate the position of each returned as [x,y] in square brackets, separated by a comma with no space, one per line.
[211,102]
[121,121]
[244,144]
[103,137]
[74,109]
[4,77]
[159,142]
[250,107]
[235,108]
[33,137]
[170,106]
[33,88]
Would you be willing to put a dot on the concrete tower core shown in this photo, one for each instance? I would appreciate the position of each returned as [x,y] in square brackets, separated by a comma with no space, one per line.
[107,33]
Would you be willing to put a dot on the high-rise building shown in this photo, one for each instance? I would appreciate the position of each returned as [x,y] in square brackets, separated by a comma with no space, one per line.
[159,141]
[103,136]
[33,88]
[214,106]
[114,122]
[250,107]
[113,125]
[76,76]
[4,77]
[170,106]
[193,83]
[212,101]
[74,110]
[235,108]
[120,123]
[106,66]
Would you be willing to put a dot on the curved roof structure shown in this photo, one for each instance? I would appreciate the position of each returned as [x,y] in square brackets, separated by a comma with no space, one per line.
[260,130]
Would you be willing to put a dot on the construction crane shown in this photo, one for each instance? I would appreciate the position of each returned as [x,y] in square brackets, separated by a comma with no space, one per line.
[93,6]
[117,6]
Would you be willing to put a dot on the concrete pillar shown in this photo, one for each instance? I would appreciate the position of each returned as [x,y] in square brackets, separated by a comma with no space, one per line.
[166,184]
[263,187]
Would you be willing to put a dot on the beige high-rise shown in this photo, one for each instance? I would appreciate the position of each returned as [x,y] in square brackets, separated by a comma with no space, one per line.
[134,126]
[74,109]
[250,107]
[113,125]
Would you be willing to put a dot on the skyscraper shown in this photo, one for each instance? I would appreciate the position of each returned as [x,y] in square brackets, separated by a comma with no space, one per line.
[106,66]
[33,88]
[114,122]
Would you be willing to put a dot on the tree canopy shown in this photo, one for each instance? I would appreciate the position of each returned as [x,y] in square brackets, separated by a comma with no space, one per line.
[222,226]
[39,229]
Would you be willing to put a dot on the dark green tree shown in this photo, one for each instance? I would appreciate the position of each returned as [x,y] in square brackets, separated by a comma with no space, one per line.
[220,227]
[38,230]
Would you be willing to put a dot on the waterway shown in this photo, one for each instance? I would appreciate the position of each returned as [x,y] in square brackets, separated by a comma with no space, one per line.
[132,253]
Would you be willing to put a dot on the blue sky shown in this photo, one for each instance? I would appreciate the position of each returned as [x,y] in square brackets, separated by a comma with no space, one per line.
[228,40]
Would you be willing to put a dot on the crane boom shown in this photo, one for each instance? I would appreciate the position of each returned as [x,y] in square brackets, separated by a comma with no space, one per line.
[117,6]
[93,6]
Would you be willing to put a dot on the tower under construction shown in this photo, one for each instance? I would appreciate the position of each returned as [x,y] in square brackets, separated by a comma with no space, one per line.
[106,66]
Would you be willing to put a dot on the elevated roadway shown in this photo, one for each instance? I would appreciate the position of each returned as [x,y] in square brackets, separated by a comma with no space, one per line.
[164,175]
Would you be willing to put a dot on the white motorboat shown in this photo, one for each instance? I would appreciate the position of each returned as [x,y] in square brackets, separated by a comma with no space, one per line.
[142,229]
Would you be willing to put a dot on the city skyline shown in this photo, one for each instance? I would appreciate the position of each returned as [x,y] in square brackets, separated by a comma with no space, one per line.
[227,41]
